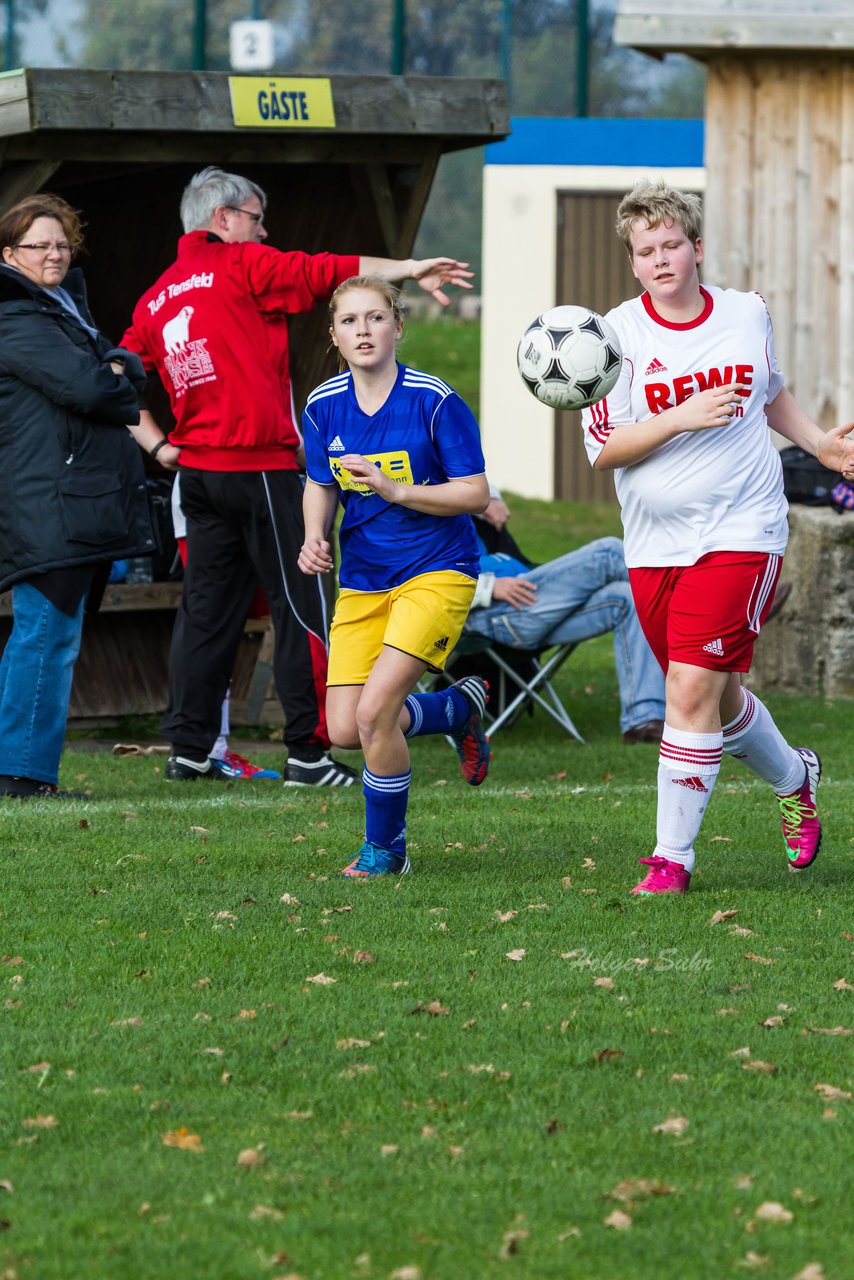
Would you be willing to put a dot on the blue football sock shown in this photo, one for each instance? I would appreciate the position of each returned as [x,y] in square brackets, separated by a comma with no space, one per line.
[385,809]
[444,712]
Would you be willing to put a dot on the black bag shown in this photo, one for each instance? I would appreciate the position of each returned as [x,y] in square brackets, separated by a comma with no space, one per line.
[805,479]
[166,561]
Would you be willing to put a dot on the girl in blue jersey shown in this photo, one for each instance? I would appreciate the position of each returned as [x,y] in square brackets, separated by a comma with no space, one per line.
[402,452]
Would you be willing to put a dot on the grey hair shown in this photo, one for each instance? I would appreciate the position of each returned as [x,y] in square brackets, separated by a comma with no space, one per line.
[214,187]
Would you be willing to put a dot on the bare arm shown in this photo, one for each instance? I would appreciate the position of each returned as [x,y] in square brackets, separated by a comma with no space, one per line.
[431,273]
[319,503]
[632,442]
[468,495]
[834,449]
[148,435]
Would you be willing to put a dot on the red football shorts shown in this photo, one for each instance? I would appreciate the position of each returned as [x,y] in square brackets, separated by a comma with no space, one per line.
[707,614]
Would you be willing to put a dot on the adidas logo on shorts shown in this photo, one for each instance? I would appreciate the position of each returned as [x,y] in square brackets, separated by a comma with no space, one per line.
[715,647]
[441,644]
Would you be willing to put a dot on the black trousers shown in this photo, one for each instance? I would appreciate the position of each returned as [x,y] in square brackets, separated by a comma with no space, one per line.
[245,527]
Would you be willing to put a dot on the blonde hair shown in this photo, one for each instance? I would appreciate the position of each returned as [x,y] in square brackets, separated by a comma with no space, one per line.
[652,203]
[379,284]
[388,291]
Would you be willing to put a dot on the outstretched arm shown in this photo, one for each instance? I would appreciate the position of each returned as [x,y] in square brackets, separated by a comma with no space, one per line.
[431,273]
[834,449]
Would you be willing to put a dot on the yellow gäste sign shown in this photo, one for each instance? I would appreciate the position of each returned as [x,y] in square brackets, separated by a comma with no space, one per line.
[273,103]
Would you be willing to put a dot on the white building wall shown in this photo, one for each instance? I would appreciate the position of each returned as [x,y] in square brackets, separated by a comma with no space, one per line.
[519,282]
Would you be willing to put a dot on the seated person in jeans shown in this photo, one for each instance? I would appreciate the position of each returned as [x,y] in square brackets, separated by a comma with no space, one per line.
[579,595]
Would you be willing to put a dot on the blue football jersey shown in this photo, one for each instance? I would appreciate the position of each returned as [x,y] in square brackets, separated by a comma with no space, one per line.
[423,434]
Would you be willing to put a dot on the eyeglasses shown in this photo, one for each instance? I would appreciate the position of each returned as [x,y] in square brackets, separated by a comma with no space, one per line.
[44,247]
[256,217]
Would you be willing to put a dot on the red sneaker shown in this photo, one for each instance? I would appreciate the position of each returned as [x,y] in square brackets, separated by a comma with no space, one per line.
[663,876]
[471,742]
[801,827]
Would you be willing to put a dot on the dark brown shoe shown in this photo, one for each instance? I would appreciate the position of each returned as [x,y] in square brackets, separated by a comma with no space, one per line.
[649,732]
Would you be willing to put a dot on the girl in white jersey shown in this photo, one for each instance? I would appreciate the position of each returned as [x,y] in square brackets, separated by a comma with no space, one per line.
[402,451]
[686,431]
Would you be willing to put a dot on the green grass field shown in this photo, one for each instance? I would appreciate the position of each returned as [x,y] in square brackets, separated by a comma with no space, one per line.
[220,1060]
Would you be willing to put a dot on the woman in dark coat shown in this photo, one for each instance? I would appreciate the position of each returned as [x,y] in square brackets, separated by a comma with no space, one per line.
[72,488]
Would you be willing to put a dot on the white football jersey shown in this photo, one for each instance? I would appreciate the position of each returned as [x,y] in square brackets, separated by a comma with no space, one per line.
[714,490]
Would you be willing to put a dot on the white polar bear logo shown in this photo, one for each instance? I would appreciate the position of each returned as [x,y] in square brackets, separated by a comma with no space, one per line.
[176,332]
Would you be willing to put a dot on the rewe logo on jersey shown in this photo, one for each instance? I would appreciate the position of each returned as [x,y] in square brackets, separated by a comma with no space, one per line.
[654,366]
[665,395]
[336,446]
[693,784]
[715,647]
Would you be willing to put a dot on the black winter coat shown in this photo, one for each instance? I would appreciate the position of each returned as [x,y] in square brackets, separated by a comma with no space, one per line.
[72,485]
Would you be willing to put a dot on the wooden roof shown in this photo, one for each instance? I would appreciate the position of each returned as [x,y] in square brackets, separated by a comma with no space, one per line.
[121,146]
[709,26]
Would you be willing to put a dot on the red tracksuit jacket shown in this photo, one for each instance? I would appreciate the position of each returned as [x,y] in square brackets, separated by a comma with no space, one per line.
[214,327]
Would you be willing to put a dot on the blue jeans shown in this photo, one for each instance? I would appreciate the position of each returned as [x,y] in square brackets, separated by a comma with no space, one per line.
[583,594]
[35,685]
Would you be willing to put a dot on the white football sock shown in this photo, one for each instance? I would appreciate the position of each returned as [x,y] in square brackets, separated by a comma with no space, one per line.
[754,738]
[688,765]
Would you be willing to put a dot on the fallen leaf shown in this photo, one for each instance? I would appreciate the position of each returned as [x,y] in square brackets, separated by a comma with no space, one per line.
[127,1022]
[12,960]
[619,1220]
[252,1157]
[750,955]
[607,983]
[38,1067]
[406,1273]
[775,1021]
[607,1055]
[352,1043]
[5,1185]
[504,916]
[40,1122]
[566,882]
[723,915]
[842,985]
[724,1013]
[743,1182]
[389,1149]
[322,980]
[518,954]
[262,1211]
[183,1139]
[772,1211]
[743,1052]
[754,1261]
[830,1093]
[363,957]
[290,900]
[739,932]
[754,1064]
[631,1189]
[510,1242]
[679,1077]
[831,1031]
[812,1271]
[673,1124]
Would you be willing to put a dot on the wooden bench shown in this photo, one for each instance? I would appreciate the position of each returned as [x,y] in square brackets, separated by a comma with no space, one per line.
[123,665]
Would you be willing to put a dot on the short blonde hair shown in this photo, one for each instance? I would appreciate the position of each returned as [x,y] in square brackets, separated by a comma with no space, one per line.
[655,202]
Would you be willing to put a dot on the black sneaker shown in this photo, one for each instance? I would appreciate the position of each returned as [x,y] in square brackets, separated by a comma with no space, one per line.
[182,769]
[324,772]
[12,788]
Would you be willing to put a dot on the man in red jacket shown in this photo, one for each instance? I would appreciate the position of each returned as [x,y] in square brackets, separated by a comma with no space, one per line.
[214,327]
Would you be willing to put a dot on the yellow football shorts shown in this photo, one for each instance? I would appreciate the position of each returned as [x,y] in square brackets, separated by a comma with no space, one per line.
[423,617]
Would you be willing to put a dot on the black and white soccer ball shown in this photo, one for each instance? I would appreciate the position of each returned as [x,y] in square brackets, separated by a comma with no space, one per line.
[569,357]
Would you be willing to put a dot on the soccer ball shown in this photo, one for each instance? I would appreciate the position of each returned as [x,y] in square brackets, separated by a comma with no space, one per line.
[569,357]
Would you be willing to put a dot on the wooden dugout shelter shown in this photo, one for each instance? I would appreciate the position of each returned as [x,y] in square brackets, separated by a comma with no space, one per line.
[779,199]
[347,163]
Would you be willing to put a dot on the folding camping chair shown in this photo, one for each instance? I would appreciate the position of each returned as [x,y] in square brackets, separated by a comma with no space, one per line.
[524,680]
